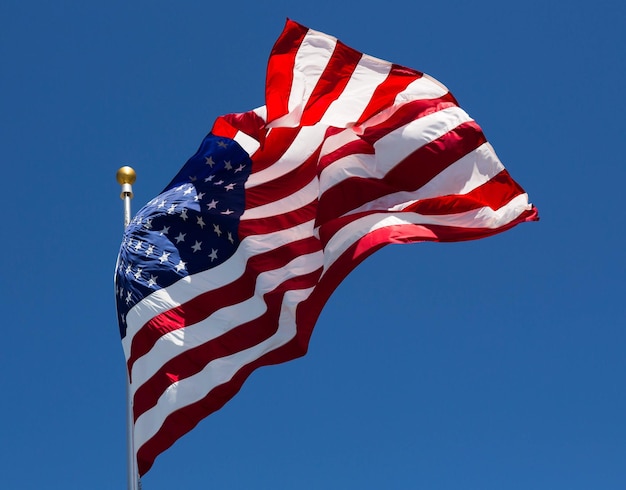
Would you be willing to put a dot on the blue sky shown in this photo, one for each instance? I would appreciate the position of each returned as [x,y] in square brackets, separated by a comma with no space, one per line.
[490,364]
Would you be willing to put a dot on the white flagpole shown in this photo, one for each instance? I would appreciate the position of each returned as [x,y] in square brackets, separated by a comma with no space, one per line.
[126,177]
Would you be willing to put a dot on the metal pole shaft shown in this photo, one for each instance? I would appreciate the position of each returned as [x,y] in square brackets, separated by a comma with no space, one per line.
[132,475]
[126,178]
[127,199]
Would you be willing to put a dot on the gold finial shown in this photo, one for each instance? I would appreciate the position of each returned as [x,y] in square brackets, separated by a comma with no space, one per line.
[126,175]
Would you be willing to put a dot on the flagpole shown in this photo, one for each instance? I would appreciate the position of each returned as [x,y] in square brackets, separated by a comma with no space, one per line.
[126,177]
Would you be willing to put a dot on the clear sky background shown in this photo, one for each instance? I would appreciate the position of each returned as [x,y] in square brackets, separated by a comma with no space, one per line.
[493,364]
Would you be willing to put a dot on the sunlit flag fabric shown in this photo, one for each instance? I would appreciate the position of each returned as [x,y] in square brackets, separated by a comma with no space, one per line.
[229,267]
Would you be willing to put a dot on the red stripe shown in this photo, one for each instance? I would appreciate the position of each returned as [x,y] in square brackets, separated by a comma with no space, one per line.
[411,233]
[242,337]
[207,303]
[399,79]
[440,233]
[279,222]
[495,193]
[406,114]
[222,127]
[247,122]
[331,84]
[410,174]
[280,67]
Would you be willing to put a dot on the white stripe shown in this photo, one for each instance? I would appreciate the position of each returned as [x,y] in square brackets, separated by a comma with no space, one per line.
[477,218]
[346,109]
[311,60]
[465,175]
[297,200]
[390,149]
[187,288]
[248,143]
[424,87]
[217,372]
[221,321]
[261,111]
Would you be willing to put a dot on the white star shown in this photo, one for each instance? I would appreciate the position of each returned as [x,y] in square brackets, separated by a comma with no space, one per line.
[180,266]
[240,168]
[138,245]
[193,178]
[152,281]
[128,269]
[213,254]
[165,230]
[229,187]
[209,178]
[164,257]
[180,237]
[150,250]
[219,182]
[222,144]
[230,237]
[180,187]
[209,161]
[212,204]
[171,209]
[198,197]
[227,212]
[228,165]
[201,222]
[197,246]
[138,273]
[188,190]
[183,214]
[217,230]
[162,204]
[148,225]
[128,297]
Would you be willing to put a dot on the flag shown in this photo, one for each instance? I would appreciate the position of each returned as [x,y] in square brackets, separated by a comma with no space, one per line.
[229,267]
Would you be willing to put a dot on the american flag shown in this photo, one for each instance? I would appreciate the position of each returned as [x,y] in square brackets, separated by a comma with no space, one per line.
[229,267]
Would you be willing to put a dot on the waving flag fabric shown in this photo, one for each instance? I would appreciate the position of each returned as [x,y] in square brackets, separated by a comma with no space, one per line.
[229,267]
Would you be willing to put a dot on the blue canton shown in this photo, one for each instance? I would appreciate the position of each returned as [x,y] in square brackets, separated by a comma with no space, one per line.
[190,227]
